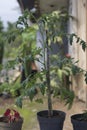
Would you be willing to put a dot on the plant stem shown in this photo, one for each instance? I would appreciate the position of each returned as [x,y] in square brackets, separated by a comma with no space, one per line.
[48,83]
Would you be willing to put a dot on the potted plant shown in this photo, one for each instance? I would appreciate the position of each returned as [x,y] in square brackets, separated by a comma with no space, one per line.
[11,120]
[52,31]
[48,119]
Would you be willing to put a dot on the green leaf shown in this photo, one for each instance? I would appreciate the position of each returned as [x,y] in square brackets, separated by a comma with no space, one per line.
[65,72]
[56,91]
[42,88]
[60,72]
[84,46]
[68,70]
[68,96]
[19,102]
[71,38]
[78,39]
[86,77]
[1,67]
[31,93]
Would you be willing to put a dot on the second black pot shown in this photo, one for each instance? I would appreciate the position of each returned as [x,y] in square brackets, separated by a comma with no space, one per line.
[78,124]
[51,123]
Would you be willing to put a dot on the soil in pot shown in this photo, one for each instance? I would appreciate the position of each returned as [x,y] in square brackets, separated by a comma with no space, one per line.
[78,122]
[51,123]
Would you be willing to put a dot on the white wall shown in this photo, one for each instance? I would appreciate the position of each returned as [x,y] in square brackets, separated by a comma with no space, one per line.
[77,25]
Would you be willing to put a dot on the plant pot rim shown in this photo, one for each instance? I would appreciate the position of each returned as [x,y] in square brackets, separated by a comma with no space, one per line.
[75,117]
[61,113]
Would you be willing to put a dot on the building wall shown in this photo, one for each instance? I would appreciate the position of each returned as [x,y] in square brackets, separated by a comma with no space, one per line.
[77,24]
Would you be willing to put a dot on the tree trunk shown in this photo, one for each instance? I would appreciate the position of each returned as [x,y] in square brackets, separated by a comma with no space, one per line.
[48,83]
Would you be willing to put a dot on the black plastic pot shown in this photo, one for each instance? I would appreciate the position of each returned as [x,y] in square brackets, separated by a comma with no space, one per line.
[78,124]
[11,126]
[51,123]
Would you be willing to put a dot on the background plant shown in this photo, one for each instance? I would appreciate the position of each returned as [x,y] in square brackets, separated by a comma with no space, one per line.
[2,41]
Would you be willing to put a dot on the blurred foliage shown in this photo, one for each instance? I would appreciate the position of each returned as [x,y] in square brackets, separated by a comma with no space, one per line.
[23,40]
[12,45]
[2,40]
[11,88]
[23,50]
